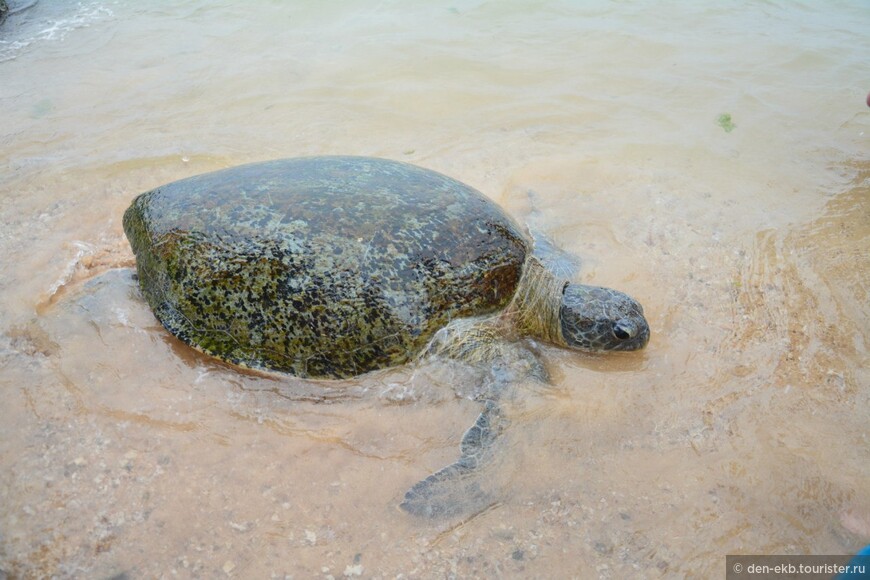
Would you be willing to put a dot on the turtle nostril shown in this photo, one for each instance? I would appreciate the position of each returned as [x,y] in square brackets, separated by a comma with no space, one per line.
[624,329]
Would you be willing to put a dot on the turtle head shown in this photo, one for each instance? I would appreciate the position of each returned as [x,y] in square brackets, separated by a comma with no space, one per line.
[594,318]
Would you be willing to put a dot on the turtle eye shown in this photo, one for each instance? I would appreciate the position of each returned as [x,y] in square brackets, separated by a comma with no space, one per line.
[624,329]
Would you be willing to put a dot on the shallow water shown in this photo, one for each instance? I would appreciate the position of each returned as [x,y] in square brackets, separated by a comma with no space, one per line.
[742,428]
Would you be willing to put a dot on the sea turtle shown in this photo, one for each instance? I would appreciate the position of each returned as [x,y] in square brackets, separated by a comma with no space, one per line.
[331,267]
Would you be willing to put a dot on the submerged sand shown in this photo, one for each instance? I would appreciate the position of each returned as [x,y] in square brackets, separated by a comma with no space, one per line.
[742,428]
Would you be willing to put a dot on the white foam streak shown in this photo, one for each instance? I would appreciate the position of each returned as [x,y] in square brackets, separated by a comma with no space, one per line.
[84,14]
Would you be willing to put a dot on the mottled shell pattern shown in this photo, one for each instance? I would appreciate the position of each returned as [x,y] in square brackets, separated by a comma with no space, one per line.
[322,267]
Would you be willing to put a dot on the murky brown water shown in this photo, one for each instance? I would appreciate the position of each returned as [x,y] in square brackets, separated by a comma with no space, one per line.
[742,428]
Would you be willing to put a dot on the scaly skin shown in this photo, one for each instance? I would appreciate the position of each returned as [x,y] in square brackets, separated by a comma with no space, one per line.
[601,319]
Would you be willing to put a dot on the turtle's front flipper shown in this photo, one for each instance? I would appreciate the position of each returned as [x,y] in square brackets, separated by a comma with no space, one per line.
[457,489]
[466,487]
[552,256]
[562,264]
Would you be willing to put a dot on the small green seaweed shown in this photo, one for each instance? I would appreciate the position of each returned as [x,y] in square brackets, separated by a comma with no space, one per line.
[724,121]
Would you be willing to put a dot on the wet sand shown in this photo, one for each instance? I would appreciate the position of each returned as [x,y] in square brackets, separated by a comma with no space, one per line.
[742,428]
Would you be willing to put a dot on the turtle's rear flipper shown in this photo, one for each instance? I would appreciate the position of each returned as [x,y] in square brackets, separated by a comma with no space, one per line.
[459,489]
